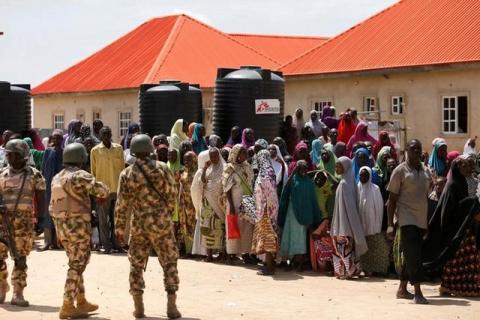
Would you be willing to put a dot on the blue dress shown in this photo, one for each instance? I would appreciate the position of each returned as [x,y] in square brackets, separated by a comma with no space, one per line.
[52,164]
[294,236]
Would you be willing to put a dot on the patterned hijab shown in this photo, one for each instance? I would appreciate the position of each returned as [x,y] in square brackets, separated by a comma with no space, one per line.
[265,168]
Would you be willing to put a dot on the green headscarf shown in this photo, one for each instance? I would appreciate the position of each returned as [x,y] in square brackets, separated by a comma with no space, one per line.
[176,166]
[37,155]
[330,166]
[381,164]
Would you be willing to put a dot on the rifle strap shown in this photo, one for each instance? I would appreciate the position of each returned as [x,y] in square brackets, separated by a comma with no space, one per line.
[150,183]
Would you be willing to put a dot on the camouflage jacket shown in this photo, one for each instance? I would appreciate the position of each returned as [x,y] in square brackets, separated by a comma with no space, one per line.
[71,191]
[135,196]
[11,183]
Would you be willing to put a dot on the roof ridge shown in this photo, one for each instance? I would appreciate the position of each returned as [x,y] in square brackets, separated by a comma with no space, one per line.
[342,33]
[226,35]
[279,36]
[166,49]
[126,35]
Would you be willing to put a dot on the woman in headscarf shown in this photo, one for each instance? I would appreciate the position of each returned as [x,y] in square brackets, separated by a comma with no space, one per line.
[301,153]
[265,234]
[328,117]
[178,133]
[162,153]
[298,211]
[347,232]
[316,152]
[289,134]
[191,128]
[198,139]
[472,178]
[175,167]
[470,146]
[133,128]
[235,136]
[186,210]
[208,199]
[73,133]
[346,128]
[321,247]
[340,149]
[248,138]
[215,141]
[282,145]
[237,181]
[328,162]
[380,168]
[376,260]
[298,121]
[185,147]
[451,247]
[362,158]
[438,159]
[361,135]
[383,141]
[35,154]
[279,166]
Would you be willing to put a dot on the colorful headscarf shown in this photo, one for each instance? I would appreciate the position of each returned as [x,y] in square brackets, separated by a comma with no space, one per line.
[177,135]
[330,165]
[265,168]
[175,166]
[346,129]
[247,144]
[381,164]
[434,162]
[316,152]
[198,141]
[380,144]
[300,146]
[361,135]
[37,155]
[262,143]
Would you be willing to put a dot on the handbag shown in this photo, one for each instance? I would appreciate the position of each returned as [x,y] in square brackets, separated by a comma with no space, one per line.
[233,232]
[247,206]
[206,219]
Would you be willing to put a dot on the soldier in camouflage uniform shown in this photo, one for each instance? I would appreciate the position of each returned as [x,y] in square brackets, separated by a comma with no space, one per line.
[19,185]
[70,207]
[147,191]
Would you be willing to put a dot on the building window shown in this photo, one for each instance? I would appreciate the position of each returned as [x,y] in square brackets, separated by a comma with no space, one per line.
[58,121]
[125,118]
[455,114]
[319,105]
[370,104]
[397,105]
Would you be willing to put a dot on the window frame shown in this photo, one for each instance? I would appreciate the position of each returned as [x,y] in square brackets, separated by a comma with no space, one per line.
[54,122]
[400,106]
[120,120]
[319,104]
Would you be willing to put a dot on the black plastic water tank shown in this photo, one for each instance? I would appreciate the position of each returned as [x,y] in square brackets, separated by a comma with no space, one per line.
[249,97]
[162,105]
[15,107]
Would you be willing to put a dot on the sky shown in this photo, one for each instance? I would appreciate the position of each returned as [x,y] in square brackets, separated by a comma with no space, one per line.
[43,37]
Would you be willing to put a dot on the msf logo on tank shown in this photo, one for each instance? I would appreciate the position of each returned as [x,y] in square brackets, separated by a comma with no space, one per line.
[267,106]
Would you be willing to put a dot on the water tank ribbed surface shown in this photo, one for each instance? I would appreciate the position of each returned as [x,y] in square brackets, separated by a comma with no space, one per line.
[15,107]
[162,105]
[235,96]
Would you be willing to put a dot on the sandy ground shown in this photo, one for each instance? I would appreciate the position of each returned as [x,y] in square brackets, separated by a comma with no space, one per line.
[215,291]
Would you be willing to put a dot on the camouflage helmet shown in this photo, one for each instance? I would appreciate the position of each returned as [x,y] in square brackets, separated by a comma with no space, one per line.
[141,143]
[18,146]
[75,153]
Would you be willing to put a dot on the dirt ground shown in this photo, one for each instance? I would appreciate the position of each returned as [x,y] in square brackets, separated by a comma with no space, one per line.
[215,291]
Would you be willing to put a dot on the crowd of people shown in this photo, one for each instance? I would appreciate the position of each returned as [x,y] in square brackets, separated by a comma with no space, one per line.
[325,195]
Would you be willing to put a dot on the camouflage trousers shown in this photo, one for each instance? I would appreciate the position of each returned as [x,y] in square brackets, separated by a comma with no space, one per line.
[23,235]
[164,244]
[75,233]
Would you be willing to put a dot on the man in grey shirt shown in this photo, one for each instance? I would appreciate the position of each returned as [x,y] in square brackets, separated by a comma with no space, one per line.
[409,187]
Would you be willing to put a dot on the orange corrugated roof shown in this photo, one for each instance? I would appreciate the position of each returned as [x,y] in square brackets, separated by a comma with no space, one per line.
[280,47]
[409,33]
[173,47]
